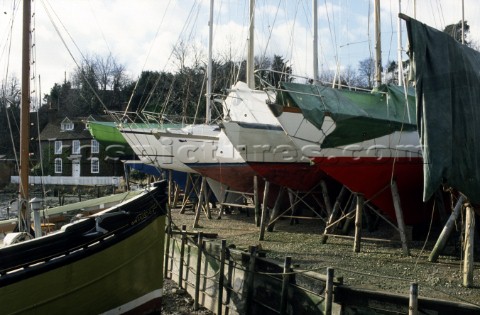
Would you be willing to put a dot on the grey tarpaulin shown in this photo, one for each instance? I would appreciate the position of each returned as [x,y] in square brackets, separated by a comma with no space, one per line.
[447,82]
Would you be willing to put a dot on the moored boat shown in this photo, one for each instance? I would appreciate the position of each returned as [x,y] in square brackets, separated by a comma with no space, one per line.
[108,262]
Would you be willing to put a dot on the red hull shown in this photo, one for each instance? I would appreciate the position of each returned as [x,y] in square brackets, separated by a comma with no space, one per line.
[371,177]
[238,177]
[296,176]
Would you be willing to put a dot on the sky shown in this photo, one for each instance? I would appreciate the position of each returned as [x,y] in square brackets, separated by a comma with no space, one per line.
[141,34]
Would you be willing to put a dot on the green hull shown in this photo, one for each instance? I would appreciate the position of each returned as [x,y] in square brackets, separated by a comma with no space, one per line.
[107,134]
[109,262]
[113,277]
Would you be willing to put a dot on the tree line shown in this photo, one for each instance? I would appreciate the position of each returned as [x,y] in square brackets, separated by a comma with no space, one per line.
[101,83]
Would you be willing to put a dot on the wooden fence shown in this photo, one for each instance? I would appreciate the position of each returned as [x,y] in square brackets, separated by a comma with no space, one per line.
[230,281]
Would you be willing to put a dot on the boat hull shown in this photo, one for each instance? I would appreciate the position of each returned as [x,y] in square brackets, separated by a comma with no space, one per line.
[118,272]
[372,177]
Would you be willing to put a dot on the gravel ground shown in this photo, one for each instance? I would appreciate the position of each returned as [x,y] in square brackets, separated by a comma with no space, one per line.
[379,266]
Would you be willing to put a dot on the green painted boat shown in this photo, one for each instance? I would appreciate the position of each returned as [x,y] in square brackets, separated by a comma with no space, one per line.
[110,262]
[108,135]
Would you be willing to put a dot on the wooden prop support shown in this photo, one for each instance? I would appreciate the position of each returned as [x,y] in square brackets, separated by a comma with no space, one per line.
[399,215]
[256,200]
[186,193]
[358,223]
[336,208]
[285,283]
[206,199]
[196,303]
[222,202]
[329,291]
[447,230]
[276,210]
[264,211]
[200,202]
[292,198]
[326,197]
[469,240]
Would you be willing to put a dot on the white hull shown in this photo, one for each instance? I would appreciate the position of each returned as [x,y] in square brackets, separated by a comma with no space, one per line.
[254,131]
[154,151]
[308,139]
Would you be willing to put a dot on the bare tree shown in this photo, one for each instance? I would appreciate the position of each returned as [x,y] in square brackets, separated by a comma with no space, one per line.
[366,70]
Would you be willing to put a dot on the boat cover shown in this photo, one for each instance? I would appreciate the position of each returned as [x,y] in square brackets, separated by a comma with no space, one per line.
[358,115]
[447,82]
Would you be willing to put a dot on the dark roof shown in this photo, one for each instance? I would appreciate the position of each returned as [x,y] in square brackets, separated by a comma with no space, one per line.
[53,130]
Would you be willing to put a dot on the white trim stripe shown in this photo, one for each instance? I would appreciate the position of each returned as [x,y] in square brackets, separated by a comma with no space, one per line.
[135,303]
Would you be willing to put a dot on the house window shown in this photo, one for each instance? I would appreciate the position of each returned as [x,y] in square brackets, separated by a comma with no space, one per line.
[95,146]
[95,165]
[58,147]
[66,124]
[76,147]
[58,165]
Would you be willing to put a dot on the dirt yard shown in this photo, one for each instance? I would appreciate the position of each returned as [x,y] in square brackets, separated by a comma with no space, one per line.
[380,265]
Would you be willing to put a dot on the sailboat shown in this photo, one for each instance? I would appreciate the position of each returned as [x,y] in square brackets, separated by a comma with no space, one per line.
[109,262]
[365,140]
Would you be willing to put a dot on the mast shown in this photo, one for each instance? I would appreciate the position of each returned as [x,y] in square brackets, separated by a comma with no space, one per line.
[463,23]
[208,113]
[399,38]
[378,45]
[24,213]
[250,66]
[315,40]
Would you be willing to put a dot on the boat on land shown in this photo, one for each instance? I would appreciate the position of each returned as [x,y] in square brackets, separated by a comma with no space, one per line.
[109,262]
[259,138]
[107,134]
[364,140]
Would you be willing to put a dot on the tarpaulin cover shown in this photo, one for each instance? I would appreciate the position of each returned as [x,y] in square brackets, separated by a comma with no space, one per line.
[447,83]
[358,116]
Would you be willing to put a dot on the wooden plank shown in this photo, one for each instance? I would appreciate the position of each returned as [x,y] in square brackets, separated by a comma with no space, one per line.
[469,240]
[447,230]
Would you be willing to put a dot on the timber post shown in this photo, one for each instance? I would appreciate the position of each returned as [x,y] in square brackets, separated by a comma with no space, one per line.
[447,229]
[469,240]
[329,291]
[196,304]
[358,223]
[399,214]
[250,279]
[182,256]
[285,283]
[221,277]
[264,211]
[229,288]
[413,299]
